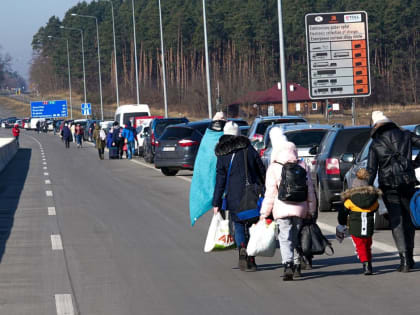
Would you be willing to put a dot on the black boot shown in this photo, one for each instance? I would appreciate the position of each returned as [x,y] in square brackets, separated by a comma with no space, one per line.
[404,266]
[410,259]
[297,271]
[288,272]
[367,268]
[250,264]
[306,263]
[242,264]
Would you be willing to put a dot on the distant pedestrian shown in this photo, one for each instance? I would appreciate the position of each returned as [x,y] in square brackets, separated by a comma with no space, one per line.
[109,138]
[99,136]
[38,126]
[16,132]
[360,205]
[73,131]
[390,156]
[79,135]
[288,214]
[128,134]
[66,135]
[232,151]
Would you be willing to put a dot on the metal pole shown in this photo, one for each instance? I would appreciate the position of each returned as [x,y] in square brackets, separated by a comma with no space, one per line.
[135,54]
[83,59]
[207,60]
[68,65]
[115,55]
[163,62]
[99,67]
[282,60]
[353,111]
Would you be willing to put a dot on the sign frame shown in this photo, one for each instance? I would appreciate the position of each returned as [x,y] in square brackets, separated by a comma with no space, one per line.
[57,114]
[337,68]
[87,108]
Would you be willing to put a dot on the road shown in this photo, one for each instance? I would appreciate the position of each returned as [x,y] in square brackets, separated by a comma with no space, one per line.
[127,248]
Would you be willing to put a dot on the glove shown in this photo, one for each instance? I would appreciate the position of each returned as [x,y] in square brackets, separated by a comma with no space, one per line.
[340,232]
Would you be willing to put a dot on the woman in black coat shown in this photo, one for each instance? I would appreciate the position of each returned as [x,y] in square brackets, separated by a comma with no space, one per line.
[232,147]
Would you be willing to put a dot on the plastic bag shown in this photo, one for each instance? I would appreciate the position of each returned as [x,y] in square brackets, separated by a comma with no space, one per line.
[219,236]
[312,241]
[262,241]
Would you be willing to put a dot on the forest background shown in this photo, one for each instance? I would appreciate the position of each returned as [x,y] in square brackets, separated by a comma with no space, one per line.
[243,49]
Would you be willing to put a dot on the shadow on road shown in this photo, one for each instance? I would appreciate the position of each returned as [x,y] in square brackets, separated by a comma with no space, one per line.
[12,181]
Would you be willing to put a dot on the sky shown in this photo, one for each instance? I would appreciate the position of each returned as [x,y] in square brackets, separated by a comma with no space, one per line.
[20,20]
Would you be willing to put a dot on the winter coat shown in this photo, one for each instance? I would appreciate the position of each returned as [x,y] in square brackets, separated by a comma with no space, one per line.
[79,131]
[66,133]
[128,133]
[116,137]
[16,131]
[379,155]
[109,139]
[256,172]
[283,209]
[360,204]
[100,144]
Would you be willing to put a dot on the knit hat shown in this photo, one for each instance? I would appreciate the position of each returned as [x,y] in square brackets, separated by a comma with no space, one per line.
[379,117]
[283,150]
[219,116]
[231,128]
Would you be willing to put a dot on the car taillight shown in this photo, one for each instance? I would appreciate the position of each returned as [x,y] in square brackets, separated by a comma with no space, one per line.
[262,151]
[156,143]
[153,140]
[257,137]
[332,167]
[187,143]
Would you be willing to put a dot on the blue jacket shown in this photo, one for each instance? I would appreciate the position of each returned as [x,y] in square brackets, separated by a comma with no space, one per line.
[66,133]
[128,133]
[109,140]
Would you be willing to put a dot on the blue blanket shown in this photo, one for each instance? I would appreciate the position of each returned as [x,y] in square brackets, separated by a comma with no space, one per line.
[204,177]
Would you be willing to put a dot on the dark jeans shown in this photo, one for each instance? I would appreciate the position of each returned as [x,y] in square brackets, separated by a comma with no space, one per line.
[17,140]
[397,202]
[67,141]
[241,231]
[101,153]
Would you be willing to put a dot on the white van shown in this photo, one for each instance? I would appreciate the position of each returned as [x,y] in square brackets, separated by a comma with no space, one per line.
[34,122]
[126,113]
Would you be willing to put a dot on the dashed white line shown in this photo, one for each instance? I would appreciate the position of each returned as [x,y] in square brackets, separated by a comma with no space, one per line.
[47,182]
[49,193]
[44,163]
[64,304]
[45,168]
[51,211]
[46,174]
[56,243]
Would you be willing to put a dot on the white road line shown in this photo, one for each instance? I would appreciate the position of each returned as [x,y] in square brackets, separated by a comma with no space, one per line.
[64,304]
[43,159]
[56,243]
[47,182]
[51,211]
[44,163]
[46,174]
[49,193]
[157,170]
[45,168]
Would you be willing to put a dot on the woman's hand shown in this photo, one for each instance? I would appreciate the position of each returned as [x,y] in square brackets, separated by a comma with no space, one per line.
[215,210]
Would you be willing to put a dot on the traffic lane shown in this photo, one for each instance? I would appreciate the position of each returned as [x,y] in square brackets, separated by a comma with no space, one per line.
[130,248]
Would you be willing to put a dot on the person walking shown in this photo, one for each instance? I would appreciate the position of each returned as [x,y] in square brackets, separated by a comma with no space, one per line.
[288,214]
[360,205]
[390,156]
[99,136]
[117,142]
[109,138]
[79,135]
[66,135]
[16,132]
[128,134]
[73,131]
[230,151]
[38,126]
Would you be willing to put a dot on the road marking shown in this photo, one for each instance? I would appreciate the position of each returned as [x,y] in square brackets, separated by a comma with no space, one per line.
[49,193]
[64,304]
[45,168]
[51,211]
[44,159]
[47,182]
[157,170]
[46,174]
[44,163]
[56,242]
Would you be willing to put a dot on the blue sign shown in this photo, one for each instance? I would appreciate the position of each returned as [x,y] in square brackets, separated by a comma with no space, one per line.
[49,109]
[86,109]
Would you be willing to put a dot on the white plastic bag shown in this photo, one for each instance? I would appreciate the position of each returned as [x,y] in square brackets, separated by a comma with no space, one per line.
[262,241]
[218,236]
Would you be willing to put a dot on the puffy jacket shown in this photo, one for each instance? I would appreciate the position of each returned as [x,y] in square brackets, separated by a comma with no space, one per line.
[15,131]
[128,133]
[379,155]
[256,172]
[66,133]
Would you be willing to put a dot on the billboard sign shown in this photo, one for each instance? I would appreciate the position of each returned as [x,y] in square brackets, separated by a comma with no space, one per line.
[337,48]
[49,109]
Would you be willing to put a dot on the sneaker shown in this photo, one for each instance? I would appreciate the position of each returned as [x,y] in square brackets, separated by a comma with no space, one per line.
[288,272]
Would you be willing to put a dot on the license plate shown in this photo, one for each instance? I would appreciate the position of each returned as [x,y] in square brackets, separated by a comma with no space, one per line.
[169,149]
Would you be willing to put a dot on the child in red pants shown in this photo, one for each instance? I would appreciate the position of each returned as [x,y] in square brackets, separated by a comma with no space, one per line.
[360,204]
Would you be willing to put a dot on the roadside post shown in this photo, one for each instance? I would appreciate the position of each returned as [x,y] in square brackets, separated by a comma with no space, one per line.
[337,47]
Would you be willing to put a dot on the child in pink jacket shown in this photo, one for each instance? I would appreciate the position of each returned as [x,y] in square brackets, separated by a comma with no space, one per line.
[288,214]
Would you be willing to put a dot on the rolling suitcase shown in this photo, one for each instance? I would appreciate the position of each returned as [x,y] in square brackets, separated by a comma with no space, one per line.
[113,153]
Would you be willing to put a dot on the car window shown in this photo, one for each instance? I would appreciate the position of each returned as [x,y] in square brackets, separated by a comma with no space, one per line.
[350,141]
[162,124]
[176,133]
[326,141]
[263,125]
[306,138]
[129,117]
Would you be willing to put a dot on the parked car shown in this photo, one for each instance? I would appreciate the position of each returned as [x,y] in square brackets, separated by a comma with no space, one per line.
[34,121]
[260,124]
[305,136]
[334,157]
[178,146]
[10,122]
[126,113]
[142,126]
[244,130]
[156,129]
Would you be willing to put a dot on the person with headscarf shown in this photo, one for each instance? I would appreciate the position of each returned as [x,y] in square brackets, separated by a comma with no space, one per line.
[288,214]
[390,156]
[99,136]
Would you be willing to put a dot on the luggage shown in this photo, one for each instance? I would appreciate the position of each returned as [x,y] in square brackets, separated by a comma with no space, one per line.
[113,153]
[312,241]
[415,209]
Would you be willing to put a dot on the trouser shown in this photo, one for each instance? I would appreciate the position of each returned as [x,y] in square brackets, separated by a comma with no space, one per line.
[17,140]
[101,152]
[241,230]
[363,247]
[130,149]
[67,142]
[288,238]
[397,202]
[79,139]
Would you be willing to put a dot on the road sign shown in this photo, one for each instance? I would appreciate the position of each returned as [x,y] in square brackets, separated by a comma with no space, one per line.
[337,46]
[49,109]
[86,109]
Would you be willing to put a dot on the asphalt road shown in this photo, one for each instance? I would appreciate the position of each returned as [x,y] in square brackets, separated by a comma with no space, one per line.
[128,248]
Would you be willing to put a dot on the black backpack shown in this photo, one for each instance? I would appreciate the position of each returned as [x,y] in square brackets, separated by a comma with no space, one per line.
[293,186]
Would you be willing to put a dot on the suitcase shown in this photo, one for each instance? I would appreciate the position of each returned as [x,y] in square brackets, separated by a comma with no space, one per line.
[113,153]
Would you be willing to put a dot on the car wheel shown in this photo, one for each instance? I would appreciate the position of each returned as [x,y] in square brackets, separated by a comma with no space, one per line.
[168,171]
[323,204]
[148,157]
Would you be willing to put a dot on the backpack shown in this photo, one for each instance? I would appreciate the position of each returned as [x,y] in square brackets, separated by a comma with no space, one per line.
[102,135]
[415,209]
[293,186]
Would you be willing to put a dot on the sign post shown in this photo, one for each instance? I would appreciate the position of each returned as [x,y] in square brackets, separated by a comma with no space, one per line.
[49,109]
[86,109]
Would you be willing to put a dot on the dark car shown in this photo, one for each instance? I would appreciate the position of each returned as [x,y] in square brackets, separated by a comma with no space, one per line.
[334,157]
[157,126]
[178,147]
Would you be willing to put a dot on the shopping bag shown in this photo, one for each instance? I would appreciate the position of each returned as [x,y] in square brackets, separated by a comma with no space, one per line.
[219,236]
[312,241]
[262,241]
